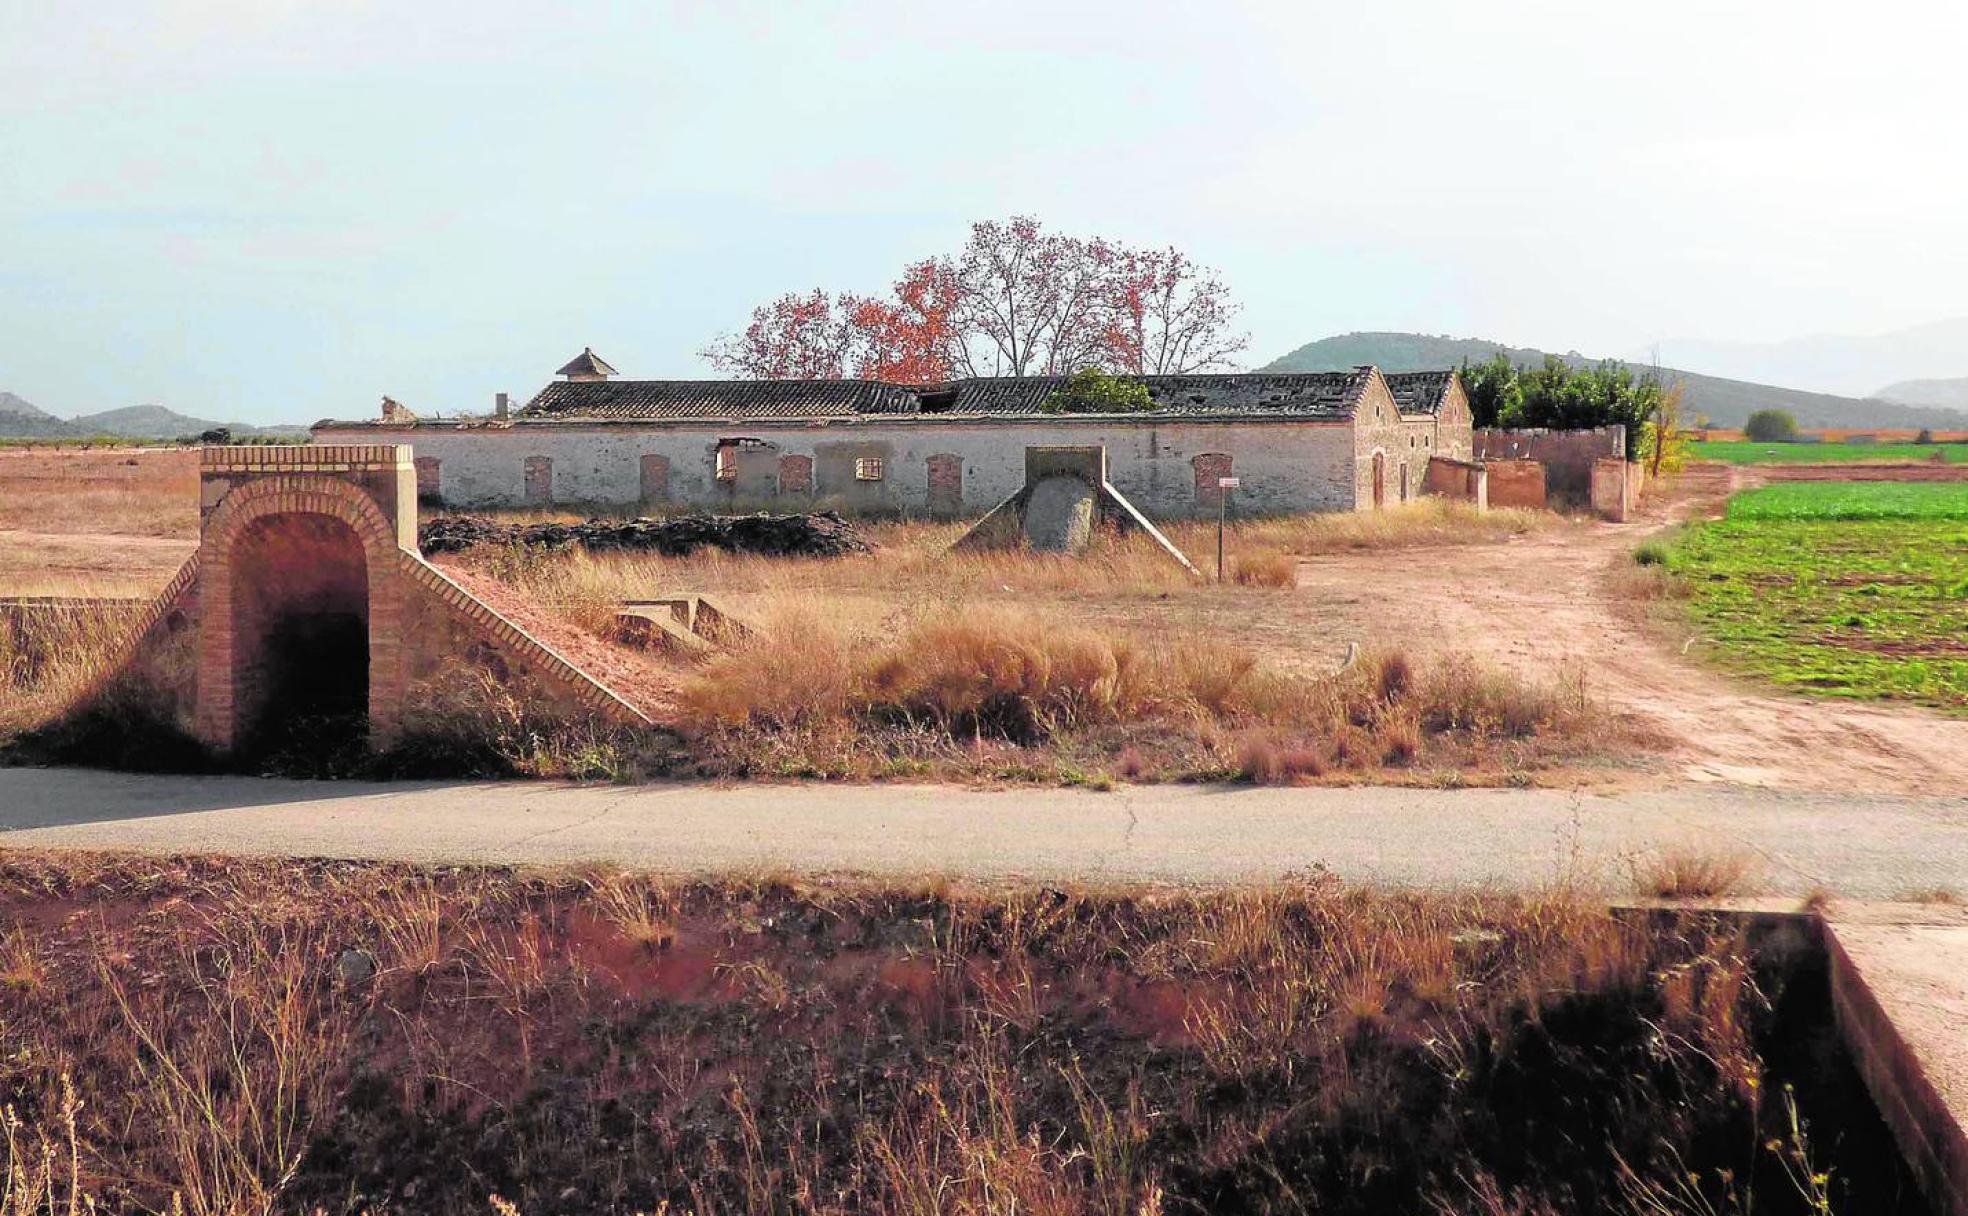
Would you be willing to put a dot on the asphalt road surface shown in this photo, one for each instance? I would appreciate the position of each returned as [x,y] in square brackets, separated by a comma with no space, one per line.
[1857,845]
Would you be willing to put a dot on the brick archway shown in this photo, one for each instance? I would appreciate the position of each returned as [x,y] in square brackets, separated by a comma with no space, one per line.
[308,515]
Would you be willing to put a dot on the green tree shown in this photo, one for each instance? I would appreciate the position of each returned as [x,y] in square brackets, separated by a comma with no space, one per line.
[1093,391]
[1492,390]
[1771,426]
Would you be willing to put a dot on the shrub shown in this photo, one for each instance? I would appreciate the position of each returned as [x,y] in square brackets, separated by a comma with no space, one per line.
[1651,553]
[1092,391]
[1925,437]
[1771,426]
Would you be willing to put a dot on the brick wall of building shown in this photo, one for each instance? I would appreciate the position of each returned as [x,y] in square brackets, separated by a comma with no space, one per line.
[1285,466]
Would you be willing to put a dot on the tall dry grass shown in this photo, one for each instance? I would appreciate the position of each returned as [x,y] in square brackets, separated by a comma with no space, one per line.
[893,1050]
[68,672]
[818,694]
[247,1037]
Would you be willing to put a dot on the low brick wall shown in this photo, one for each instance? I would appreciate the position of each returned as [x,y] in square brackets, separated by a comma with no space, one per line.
[1459,479]
[1567,456]
[1516,483]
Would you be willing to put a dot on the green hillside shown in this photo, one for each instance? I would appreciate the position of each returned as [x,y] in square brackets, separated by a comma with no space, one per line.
[1726,402]
[22,419]
[157,422]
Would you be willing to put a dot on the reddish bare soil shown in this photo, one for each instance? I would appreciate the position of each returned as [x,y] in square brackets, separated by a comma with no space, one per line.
[636,678]
[1544,603]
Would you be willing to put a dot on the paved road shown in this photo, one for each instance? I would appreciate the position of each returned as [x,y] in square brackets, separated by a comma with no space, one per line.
[1863,846]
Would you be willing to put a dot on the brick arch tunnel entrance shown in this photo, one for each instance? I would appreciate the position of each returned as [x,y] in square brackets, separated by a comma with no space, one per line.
[300,629]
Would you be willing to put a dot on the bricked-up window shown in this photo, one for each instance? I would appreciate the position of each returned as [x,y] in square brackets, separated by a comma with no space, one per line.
[539,480]
[655,479]
[1210,466]
[796,474]
[945,471]
[869,468]
[428,479]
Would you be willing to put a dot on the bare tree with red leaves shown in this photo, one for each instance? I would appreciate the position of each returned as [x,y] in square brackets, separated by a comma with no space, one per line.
[909,339]
[1017,301]
[1168,316]
[795,337]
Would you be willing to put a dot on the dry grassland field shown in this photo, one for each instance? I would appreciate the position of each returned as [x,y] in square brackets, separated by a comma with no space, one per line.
[1423,644]
[95,521]
[214,1037]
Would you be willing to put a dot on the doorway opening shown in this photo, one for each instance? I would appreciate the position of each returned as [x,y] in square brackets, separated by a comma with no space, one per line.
[300,622]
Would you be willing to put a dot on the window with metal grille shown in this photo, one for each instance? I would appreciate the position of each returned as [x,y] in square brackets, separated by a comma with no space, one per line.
[868,468]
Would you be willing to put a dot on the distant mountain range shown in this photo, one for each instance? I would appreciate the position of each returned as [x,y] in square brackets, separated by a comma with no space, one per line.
[1725,402]
[1835,363]
[1947,394]
[22,419]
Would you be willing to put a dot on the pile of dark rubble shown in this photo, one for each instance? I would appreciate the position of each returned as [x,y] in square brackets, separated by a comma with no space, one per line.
[821,534]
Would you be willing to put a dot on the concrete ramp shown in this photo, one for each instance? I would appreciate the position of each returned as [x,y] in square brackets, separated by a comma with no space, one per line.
[1066,497]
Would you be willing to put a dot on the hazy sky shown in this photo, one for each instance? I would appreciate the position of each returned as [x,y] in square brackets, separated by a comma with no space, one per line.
[275,210]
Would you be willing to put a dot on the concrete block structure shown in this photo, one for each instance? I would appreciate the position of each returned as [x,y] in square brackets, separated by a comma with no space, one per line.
[313,606]
[1065,497]
[1336,441]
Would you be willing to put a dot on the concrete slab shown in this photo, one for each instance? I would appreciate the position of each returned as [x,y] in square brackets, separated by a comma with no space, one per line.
[1900,990]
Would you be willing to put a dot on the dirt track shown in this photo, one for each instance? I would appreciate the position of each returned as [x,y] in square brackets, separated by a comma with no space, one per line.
[1543,603]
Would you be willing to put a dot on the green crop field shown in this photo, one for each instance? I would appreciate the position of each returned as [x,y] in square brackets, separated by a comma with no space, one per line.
[1850,589]
[1745,452]
[1848,500]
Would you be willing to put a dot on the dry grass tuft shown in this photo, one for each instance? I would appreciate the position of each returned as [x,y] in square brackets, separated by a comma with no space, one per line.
[1264,568]
[1689,872]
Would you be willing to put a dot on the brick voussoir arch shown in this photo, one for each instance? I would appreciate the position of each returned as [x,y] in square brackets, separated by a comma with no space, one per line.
[297,495]
[292,494]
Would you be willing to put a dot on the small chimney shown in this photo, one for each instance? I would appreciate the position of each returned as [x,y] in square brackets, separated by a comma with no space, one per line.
[501,407]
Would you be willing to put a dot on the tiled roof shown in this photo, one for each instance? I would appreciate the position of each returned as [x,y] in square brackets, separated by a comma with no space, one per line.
[1419,392]
[1325,395]
[587,363]
[633,400]
[1315,395]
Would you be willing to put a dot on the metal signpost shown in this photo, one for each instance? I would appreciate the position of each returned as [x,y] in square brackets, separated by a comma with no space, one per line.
[1223,487]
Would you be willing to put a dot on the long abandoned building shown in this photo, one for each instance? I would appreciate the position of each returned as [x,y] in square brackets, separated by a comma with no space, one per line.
[1330,441]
